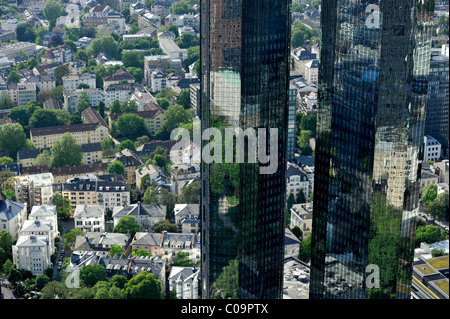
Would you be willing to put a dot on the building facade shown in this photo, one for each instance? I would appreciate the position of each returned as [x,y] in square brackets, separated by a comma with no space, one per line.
[372,93]
[245,83]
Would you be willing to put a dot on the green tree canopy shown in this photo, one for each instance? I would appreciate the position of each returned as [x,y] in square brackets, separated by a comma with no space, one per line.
[127,225]
[12,139]
[116,167]
[66,151]
[70,237]
[429,234]
[305,249]
[429,193]
[150,196]
[165,225]
[92,274]
[63,207]
[13,77]
[143,286]
[127,144]
[131,125]
[104,43]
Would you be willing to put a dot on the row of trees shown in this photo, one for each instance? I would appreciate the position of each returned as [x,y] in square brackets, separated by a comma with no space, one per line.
[437,206]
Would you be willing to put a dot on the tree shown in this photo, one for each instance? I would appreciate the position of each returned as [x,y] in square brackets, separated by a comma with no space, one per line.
[56,40]
[297,232]
[12,138]
[92,274]
[143,286]
[5,101]
[168,200]
[227,283]
[43,96]
[116,167]
[182,260]
[308,123]
[104,43]
[429,234]
[137,73]
[127,144]
[127,225]
[25,32]
[44,159]
[115,107]
[83,102]
[300,198]
[132,59]
[13,77]
[144,139]
[70,237]
[107,146]
[439,207]
[83,86]
[60,72]
[66,151]
[165,225]
[429,193]
[174,116]
[58,93]
[44,118]
[159,160]
[63,207]
[163,103]
[6,242]
[187,40]
[81,55]
[150,196]
[101,108]
[116,250]
[6,160]
[438,253]
[190,194]
[75,118]
[305,249]
[52,11]
[181,7]
[184,99]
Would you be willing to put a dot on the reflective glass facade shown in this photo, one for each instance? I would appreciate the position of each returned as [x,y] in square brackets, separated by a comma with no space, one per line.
[244,84]
[374,63]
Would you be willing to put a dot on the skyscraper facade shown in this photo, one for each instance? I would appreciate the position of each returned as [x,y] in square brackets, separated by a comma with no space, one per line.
[374,63]
[437,118]
[244,86]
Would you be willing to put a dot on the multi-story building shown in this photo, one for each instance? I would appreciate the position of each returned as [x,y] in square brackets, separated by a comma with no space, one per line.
[35,190]
[60,54]
[45,213]
[89,218]
[145,215]
[32,253]
[12,216]
[72,97]
[161,62]
[72,81]
[301,56]
[83,134]
[26,92]
[368,154]
[171,49]
[437,119]
[245,83]
[12,50]
[7,35]
[158,81]
[131,162]
[120,92]
[312,71]
[299,179]
[184,282]
[120,76]
[291,140]
[101,15]
[431,149]
[42,82]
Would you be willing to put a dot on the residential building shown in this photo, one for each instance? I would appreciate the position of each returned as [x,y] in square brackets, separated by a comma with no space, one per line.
[184,281]
[60,54]
[101,15]
[42,82]
[148,32]
[427,176]
[9,22]
[92,153]
[171,49]
[80,192]
[185,211]
[158,81]
[301,57]
[12,216]
[72,97]
[245,84]
[432,149]
[299,179]
[436,123]
[45,213]
[26,92]
[121,92]
[34,190]
[312,71]
[145,215]
[118,77]
[301,216]
[32,253]
[89,218]
[101,241]
[91,115]
[131,162]
[291,244]
[7,35]
[291,139]
[369,147]
[113,192]
[72,81]
[161,62]
[12,50]
[83,134]
[153,172]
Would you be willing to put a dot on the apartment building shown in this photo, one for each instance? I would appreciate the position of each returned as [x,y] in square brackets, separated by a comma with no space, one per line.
[90,218]
[35,190]
[72,97]
[119,76]
[83,134]
[72,81]
[60,54]
[161,62]
[12,50]
[26,92]
[12,216]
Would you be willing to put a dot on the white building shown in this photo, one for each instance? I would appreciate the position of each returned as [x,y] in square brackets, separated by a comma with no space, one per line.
[185,211]
[89,218]
[299,178]
[72,81]
[170,48]
[32,253]
[432,148]
[301,216]
[184,281]
[45,213]
[312,71]
[158,81]
[12,216]
[35,190]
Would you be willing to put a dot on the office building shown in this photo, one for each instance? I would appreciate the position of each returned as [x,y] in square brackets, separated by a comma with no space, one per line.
[245,83]
[371,96]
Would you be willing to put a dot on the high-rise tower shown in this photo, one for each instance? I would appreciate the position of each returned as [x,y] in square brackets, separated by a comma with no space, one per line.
[374,63]
[244,85]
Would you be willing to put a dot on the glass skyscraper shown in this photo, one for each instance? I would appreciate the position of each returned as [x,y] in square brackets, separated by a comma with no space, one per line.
[244,85]
[373,74]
